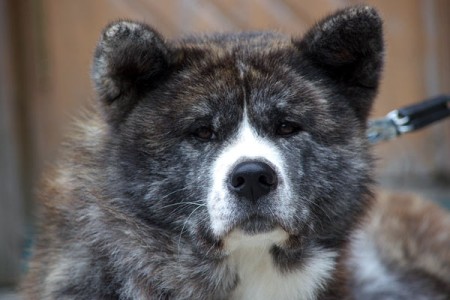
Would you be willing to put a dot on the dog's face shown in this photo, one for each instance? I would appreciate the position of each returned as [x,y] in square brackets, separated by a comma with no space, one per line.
[254,132]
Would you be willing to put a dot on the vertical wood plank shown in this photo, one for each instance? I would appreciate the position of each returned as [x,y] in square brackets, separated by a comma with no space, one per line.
[11,197]
[440,61]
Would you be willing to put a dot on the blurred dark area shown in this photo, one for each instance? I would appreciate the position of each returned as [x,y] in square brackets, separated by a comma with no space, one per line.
[45,53]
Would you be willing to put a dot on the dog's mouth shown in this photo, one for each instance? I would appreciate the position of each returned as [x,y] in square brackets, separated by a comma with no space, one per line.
[256,225]
[252,230]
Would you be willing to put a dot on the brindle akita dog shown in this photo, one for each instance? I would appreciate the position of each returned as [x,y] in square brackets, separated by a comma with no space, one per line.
[233,166]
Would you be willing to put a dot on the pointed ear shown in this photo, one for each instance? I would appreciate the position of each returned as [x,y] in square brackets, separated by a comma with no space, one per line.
[130,57]
[348,48]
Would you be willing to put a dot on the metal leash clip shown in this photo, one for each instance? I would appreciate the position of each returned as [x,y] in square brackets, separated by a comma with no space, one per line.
[409,118]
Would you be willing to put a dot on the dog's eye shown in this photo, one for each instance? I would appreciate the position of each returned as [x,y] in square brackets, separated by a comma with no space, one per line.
[286,129]
[205,133]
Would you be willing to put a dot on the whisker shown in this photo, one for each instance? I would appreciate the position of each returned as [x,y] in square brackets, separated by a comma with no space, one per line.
[183,203]
[182,229]
[173,192]
[322,210]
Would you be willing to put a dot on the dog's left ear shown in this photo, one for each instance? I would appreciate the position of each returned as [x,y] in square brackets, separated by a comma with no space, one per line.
[347,47]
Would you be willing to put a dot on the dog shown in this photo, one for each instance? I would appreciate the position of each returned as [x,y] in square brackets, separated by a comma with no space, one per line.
[233,166]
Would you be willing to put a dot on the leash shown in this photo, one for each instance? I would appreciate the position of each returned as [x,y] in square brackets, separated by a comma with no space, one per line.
[408,119]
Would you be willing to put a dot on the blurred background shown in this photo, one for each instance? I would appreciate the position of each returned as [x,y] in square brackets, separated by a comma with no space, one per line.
[45,53]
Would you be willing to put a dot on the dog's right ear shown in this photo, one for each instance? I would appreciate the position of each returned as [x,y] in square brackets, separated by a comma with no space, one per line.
[130,57]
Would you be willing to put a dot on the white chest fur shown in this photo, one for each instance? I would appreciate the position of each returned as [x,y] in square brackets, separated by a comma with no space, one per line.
[259,278]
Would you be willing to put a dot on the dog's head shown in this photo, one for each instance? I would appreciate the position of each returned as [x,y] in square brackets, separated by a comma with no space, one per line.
[256,132]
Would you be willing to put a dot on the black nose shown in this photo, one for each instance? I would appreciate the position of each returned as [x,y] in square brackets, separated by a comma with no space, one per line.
[253,179]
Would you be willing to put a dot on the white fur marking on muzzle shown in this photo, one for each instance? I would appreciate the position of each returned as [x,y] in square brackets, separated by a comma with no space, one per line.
[246,146]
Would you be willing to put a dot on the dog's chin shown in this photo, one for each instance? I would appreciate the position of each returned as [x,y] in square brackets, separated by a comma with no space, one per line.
[254,232]
[256,225]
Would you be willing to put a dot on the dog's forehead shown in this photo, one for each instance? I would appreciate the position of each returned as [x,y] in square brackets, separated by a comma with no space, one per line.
[250,71]
[228,58]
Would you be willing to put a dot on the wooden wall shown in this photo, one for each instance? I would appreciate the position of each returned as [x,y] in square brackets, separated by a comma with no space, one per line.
[51,44]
